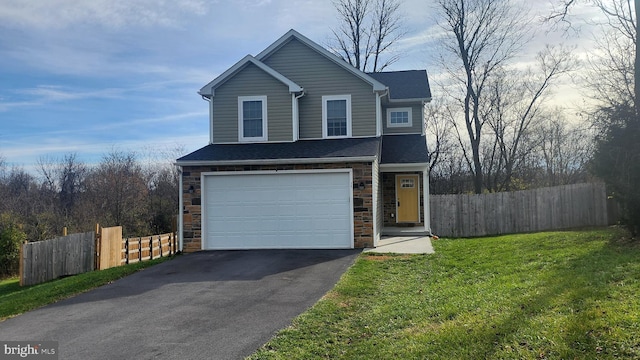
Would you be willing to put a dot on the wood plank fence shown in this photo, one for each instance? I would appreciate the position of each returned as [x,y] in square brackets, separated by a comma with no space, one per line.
[47,260]
[78,253]
[116,250]
[551,208]
[110,246]
[148,247]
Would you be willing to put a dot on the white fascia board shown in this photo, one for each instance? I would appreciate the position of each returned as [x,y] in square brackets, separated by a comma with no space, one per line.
[377,86]
[276,161]
[208,90]
[403,167]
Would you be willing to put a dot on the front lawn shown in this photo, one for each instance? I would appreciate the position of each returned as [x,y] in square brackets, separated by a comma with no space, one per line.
[15,299]
[555,295]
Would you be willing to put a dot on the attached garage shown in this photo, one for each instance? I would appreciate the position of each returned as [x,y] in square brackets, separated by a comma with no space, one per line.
[277,209]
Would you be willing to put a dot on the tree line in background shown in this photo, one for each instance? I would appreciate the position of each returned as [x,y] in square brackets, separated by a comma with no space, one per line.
[121,190]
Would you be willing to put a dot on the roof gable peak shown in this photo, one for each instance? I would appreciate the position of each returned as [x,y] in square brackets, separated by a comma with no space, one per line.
[209,89]
[293,34]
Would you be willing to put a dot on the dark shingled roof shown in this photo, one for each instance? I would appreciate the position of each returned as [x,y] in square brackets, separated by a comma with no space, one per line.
[404,149]
[396,149]
[302,149]
[410,84]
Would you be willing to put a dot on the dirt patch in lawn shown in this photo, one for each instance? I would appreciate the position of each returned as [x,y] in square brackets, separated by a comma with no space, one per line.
[385,257]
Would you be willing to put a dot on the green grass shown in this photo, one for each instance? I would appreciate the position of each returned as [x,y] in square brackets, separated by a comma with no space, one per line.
[15,300]
[555,295]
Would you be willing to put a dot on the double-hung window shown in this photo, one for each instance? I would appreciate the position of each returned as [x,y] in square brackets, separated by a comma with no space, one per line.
[336,116]
[399,117]
[252,118]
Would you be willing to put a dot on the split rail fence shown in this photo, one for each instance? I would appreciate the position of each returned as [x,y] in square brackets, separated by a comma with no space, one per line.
[96,250]
[551,208]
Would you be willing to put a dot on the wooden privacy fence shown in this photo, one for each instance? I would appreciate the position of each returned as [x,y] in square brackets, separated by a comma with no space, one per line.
[109,245]
[79,253]
[551,208]
[47,260]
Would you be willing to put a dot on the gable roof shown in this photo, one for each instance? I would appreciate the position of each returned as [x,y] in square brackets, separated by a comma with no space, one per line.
[405,85]
[330,150]
[209,89]
[291,34]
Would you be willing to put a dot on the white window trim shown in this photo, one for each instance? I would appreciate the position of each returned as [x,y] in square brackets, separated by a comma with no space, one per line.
[404,109]
[324,115]
[241,100]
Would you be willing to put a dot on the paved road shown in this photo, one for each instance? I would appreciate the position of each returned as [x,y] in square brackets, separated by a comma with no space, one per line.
[207,305]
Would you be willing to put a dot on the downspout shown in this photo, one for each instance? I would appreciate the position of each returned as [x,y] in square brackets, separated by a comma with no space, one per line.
[180,210]
[424,119]
[379,125]
[210,100]
[296,116]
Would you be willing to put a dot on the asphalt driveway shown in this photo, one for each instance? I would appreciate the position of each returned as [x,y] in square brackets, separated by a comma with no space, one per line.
[207,305]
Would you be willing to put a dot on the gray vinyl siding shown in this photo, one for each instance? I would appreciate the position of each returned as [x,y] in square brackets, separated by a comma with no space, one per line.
[252,81]
[320,76]
[416,120]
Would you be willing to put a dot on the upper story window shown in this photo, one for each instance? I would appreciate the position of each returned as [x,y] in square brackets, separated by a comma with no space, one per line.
[399,117]
[252,118]
[336,116]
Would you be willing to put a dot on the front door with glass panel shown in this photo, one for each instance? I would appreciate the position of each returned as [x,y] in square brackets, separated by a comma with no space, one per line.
[407,198]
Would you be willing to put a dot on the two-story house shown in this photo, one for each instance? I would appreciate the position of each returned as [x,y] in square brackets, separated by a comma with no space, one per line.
[306,151]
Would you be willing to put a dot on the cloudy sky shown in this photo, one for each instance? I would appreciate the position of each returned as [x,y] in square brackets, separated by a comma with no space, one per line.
[87,77]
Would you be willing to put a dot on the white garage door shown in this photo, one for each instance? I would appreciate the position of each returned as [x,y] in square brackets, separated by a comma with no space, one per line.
[277,210]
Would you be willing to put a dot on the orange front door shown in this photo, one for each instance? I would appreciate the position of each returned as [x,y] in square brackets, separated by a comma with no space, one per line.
[407,198]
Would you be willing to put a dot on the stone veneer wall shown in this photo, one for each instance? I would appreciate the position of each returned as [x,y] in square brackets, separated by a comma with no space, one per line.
[362,199]
[389,198]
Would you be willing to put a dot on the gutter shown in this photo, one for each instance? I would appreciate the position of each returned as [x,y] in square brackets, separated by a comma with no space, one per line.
[403,167]
[276,161]
[396,101]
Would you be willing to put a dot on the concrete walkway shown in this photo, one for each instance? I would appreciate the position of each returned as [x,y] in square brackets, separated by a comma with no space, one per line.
[416,244]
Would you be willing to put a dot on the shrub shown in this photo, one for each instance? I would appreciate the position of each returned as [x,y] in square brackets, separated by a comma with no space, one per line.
[11,238]
[617,161]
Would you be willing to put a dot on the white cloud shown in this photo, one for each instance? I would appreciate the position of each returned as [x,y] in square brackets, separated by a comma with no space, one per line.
[112,14]
[48,93]
[6,106]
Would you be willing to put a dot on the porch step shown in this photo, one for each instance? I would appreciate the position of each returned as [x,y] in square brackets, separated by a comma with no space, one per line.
[404,231]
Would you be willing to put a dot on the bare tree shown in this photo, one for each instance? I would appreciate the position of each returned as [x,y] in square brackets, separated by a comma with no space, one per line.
[3,166]
[619,66]
[482,36]
[565,149]
[64,180]
[368,30]
[116,193]
[162,183]
[515,107]
[438,128]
